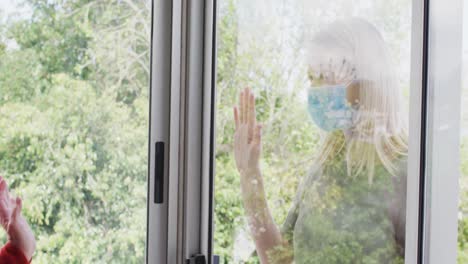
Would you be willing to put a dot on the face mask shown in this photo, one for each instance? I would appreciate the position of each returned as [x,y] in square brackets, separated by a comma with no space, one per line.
[329,107]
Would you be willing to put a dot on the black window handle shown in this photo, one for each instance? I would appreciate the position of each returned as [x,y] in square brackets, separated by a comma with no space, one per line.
[159,172]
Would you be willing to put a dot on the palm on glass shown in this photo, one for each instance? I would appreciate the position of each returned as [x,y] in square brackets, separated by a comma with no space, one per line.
[247,136]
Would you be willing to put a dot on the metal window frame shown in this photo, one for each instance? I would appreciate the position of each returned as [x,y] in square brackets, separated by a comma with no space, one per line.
[442,131]
[159,131]
[416,151]
[176,226]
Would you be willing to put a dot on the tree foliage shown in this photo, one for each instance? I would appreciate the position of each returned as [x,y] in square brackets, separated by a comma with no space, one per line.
[73,126]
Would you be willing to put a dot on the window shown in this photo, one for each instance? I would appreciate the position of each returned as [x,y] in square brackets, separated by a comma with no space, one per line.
[74,78]
[314,193]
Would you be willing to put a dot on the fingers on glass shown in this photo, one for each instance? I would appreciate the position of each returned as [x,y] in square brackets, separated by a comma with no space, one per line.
[257,134]
[241,105]
[236,141]
[251,115]
[251,109]
[243,137]
[236,116]
[245,115]
[247,106]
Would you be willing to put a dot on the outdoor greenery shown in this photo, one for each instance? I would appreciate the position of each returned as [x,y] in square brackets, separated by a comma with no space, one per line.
[74,82]
[73,126]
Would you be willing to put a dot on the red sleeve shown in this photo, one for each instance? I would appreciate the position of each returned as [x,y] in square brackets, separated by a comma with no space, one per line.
[10,254]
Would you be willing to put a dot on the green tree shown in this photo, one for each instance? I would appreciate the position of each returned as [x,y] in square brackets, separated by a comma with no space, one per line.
[73,127]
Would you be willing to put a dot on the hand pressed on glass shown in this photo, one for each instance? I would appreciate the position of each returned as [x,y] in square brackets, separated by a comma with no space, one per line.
[247,138]
[247,152]
[21,242]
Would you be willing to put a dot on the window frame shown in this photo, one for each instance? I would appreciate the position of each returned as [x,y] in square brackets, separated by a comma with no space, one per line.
[178,69]
[442,132]
[416,121]
[159,110]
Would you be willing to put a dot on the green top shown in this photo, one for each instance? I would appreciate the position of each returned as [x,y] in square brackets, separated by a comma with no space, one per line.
[342,219]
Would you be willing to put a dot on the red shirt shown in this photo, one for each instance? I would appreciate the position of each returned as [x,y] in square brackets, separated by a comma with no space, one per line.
[10,254]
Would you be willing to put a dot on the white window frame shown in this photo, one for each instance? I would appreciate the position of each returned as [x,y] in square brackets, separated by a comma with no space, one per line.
[443,118]
[160,93]
[178,68]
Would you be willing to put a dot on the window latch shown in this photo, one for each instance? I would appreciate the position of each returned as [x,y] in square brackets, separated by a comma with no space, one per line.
[197,259]
[200,259]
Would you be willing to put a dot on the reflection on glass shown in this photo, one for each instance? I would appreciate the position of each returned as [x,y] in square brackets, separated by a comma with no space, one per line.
[73,125]
[319,145]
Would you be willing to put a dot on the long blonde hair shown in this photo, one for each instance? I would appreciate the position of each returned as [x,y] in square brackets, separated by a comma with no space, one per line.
[379,134]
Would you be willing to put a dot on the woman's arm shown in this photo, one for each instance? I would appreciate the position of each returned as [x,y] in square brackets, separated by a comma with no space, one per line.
[266,234]
[247,152]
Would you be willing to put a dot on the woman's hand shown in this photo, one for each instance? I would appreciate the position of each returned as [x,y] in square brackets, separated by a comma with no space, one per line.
[10,207]
[11,219]
[247,151]
[247,136]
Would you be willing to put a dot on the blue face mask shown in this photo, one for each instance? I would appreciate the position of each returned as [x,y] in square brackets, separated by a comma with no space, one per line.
[329,107]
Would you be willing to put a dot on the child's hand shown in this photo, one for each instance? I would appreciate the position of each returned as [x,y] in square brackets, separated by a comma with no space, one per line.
[10,207]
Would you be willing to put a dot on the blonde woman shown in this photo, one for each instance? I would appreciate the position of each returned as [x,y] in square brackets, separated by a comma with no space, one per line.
[351,206]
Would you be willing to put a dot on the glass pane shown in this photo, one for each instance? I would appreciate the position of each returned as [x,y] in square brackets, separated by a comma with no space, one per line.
[74,78]
[311,162]
[463,203]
